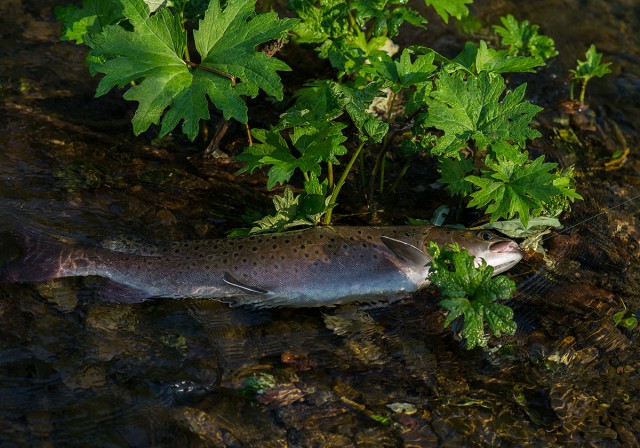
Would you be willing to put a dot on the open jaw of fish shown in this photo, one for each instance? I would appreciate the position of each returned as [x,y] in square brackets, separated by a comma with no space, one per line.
[322,266]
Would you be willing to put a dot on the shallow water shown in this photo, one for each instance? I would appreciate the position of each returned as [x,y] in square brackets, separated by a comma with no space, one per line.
[78,371]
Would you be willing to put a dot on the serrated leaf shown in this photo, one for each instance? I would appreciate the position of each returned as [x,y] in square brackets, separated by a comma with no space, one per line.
[356,102]
[472,110]
[470,292]
[480,58]
[591,67]
[522,38]
[315,143]
[152,55]
[446,8]
[508,187]
[453,173]
[91,18]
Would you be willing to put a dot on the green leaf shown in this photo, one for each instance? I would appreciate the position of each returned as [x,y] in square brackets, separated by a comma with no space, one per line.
[356,101]
[591,67]
[470,292]
[512,184]
[453,175]
[476,59]
[403,73]
[522,38]
[90,19]
[472,110]
[515,229]
[316,143]
[446,8]
[152,55]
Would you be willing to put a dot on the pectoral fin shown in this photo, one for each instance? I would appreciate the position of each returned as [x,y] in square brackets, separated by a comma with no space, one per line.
[406,252]
[231,280]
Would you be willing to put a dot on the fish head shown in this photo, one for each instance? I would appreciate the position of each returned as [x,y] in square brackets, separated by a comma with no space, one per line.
[499,252]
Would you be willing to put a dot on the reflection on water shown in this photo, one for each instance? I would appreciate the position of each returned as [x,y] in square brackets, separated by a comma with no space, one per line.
[78,371]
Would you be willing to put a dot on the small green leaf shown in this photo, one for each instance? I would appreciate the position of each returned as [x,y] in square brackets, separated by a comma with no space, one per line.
[522,38]
[591,67]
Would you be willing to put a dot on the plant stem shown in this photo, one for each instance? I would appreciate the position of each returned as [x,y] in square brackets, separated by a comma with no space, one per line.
[404,170]
[583,90]
[336,191]
[330,175]
[382,167]
[306,176]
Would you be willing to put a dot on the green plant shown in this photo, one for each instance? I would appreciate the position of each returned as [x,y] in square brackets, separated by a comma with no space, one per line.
[470,292]
[588,69]
[154,59]
[522,38]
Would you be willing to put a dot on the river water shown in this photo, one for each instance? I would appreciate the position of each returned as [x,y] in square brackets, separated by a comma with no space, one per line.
[76,370]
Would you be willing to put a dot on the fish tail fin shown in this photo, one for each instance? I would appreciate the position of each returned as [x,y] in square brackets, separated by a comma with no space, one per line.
[27,256]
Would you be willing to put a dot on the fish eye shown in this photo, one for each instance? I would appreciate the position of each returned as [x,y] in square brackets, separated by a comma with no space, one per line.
[486,236]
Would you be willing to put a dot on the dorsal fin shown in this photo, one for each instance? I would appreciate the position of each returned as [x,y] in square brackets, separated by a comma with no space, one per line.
[231,280]
[406,252]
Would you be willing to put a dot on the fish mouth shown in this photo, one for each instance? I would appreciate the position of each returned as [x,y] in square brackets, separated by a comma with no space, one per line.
[505,247]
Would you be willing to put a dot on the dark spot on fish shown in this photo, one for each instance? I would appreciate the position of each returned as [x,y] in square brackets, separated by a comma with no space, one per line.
[344,246]
[275,246]
[252,238]
[225,252]
[299,237]
[255,263]
[375,257]
[274,237]
[359,232]
[369,237]
[254,249]
[235,254]
[276,267]
[287,241]
[364,245]
[282,257]
[306,255]
[303,246]
[321,237]
[262,257]
[362,256]
[176,251]
[185,244]
[374,245]
[240,247]
[296,270]
[317,252]
[224,261]
[273,257]
[244,260]
[352,238]
[329,246]
[333,240]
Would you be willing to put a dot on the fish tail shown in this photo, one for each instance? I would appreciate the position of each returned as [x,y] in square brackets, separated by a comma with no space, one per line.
[27,255]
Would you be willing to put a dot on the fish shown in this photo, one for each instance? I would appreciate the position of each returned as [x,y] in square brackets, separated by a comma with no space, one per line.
[321,266]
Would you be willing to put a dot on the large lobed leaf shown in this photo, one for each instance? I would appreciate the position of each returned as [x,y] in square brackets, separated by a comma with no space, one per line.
[475,109]
[152,56]
[91,18]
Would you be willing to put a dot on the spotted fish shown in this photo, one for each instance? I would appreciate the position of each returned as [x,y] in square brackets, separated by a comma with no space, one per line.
[315,267]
